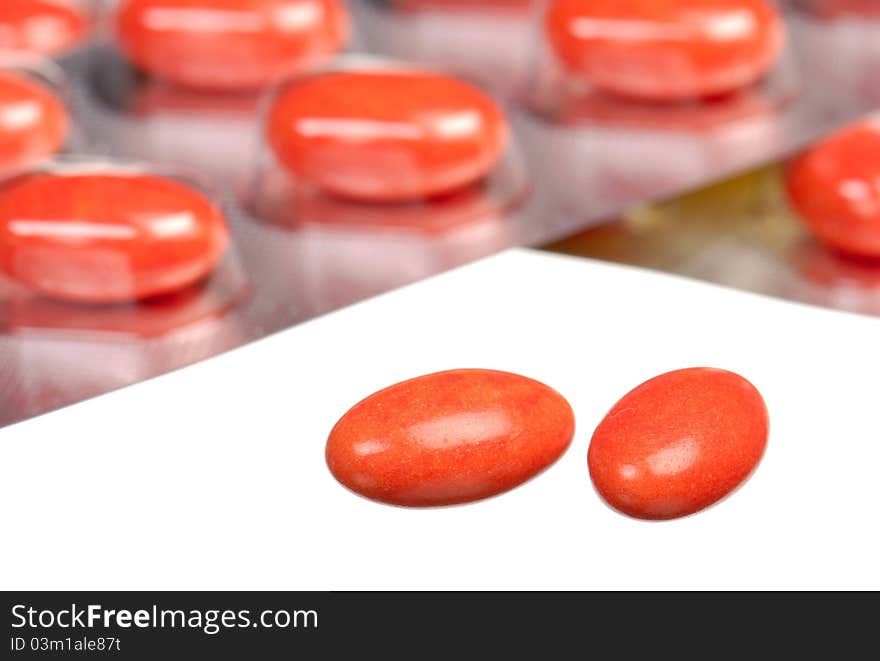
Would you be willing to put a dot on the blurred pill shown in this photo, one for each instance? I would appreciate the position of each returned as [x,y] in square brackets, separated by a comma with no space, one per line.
[666,50]
[387,136]
[33,122]
[835,188]
[106,238]
[230,44]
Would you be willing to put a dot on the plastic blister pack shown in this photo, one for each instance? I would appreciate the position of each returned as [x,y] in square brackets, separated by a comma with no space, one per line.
[328,207]
[372,143]
[94,247]
[864,9]
[803,229]
[57,28]
[169,78]
[670,65]
[38,118]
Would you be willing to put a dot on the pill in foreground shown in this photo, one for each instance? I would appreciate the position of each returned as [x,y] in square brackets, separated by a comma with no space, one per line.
[679,443]
[666,50]
[833,187]
[386,135]
[109,237]
[449,437]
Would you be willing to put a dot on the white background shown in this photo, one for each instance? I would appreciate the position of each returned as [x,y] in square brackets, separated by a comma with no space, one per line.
[214,477]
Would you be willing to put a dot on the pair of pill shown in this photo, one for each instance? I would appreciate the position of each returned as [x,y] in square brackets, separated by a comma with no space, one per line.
[673,446]
[659,50]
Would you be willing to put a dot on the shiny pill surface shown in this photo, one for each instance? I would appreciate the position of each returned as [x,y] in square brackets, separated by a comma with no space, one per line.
[386,136]
[230,44]
[666,50]
[33,122]
[449,437]
[42,26]
[835,189]
[678,443]
[107,238]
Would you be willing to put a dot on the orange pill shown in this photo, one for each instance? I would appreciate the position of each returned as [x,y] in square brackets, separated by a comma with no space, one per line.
[678,443]
[230,44]
[107,238]
[835,188]
[666,50]
[449,437]
[33,122]
[42,26]
[387,135]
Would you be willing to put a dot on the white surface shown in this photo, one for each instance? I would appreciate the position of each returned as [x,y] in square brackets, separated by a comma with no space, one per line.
[214,477]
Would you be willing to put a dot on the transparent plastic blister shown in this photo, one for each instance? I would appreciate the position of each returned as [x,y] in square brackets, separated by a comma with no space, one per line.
[39,116]
[658,72]
[356,194]
[860,9]
[138,259]
[483,41]
[744,232]
[60,29]
[851,31]
[298,251]
[156,107]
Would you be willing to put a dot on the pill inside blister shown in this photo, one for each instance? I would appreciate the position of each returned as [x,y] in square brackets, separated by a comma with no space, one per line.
[107,237]
[42,26]
[666,50]
[833,187]
[229,44]
[386,136]
[34,123]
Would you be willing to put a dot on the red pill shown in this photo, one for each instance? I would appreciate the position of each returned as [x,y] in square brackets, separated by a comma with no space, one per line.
[33,122]
[678,443]
[835,188]
[387,136]
[42,26]
[449,437]
[106,238]
[666,50]
[230,44]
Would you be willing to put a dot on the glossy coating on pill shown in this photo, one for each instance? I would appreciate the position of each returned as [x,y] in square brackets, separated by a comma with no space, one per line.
[666,50]
[33,122]
[230,44]
[42,26]
[449,437]
[107,238]
[387,136]
[834,187]
[678,443]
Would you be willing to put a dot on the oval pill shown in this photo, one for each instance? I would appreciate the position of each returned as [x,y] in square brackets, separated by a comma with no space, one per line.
[678,443]
[230,44]
[834,188]
[107,238]
[42,26]
[387,136]
[666,50]
[449,437]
